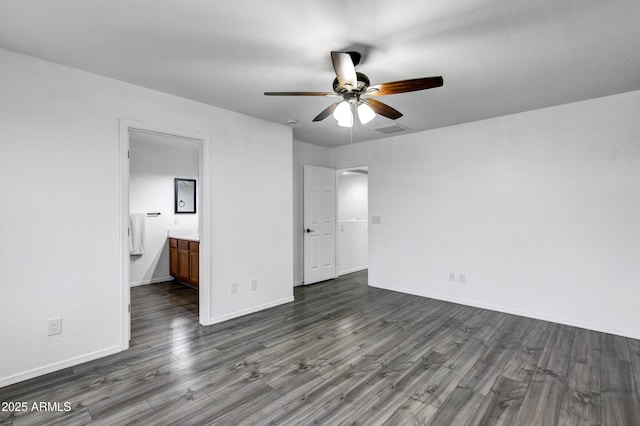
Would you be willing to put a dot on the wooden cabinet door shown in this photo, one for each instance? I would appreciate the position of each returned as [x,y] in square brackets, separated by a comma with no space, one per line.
[184,262]
[183,265]
[194,268]
[173,262]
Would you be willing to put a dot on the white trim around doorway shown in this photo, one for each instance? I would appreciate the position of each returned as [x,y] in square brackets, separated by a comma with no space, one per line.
[125,125]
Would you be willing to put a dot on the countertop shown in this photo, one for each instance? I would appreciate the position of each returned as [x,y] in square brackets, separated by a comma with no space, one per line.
[188,235]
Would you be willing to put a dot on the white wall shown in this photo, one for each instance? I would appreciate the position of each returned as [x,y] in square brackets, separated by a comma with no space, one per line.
[303,153]
[155,162]
[59,169]
[352,238]
[539,209]
[352,196]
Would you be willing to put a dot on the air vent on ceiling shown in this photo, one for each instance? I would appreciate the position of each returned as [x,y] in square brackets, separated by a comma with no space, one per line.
[360,171]
[394,128]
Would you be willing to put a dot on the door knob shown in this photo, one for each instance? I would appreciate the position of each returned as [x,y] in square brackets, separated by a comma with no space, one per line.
[308,230]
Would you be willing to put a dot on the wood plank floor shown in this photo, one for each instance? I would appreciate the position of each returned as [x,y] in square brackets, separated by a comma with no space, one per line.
[343,353]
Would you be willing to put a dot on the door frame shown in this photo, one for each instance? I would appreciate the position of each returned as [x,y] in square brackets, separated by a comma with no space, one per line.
[204,291]
[342,169]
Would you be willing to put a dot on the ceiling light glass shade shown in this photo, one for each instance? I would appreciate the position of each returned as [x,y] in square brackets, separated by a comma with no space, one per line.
[343,114]
[365,113]
[346,123]
[342,111]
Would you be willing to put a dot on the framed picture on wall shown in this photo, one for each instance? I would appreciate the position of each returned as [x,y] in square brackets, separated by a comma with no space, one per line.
[185,195]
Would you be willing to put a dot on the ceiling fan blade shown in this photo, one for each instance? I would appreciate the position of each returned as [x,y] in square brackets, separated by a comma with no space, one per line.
[345,71]
[404,86]
[383,109]
[326,112]
[300,94]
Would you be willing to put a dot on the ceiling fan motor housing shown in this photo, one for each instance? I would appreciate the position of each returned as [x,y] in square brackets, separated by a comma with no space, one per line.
[363,84]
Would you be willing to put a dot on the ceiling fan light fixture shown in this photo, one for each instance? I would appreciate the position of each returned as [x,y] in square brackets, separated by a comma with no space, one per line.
[365,113]
[352,86]
[343,112]
[346,123]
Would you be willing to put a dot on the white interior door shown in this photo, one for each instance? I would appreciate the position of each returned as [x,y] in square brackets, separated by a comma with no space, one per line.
[319,224]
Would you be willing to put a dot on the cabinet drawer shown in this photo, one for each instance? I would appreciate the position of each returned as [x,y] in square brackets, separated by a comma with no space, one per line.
[183,245]
[194,246]
[173,243]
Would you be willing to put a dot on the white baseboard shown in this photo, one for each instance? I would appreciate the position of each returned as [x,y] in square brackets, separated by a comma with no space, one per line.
[251,310]
[151,281]
[297,283]
[523,313]
[349,271]
[36,372]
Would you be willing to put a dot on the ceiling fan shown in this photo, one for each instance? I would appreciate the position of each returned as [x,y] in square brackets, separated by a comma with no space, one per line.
[352,86]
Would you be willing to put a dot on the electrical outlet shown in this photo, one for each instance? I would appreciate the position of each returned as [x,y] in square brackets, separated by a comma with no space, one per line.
[233,288]
[452,276]
[55,326]
[462,278]
[254,285]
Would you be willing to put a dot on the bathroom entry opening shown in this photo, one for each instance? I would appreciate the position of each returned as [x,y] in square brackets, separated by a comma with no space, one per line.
[142,147]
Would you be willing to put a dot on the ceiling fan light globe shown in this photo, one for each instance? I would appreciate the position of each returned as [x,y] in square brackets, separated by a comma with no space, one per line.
[346,122]
[365,113]
[343,112]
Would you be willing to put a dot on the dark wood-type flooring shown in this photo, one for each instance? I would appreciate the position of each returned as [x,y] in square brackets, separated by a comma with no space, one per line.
[344,353]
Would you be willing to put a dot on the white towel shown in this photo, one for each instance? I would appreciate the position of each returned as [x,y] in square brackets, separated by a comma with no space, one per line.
[136,233]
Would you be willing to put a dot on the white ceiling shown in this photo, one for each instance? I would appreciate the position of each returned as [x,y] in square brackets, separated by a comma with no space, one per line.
[497,57]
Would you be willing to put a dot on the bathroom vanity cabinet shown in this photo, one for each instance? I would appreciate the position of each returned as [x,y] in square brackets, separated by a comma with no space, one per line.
[184,261]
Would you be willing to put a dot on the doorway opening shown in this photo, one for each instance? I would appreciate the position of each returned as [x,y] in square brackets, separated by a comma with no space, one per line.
[335,222]
[352,189]
[155,160]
